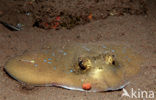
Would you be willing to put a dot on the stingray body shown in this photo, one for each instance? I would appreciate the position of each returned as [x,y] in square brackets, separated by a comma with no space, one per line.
[105,67]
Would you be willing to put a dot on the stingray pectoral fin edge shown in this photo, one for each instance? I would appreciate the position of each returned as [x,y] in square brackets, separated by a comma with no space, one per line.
[68,87]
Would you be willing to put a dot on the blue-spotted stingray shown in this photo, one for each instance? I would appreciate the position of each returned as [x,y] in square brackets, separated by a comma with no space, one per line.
[105,66]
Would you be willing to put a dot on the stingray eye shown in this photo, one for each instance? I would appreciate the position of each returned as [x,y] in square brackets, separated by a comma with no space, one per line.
[84,64]
[81,65]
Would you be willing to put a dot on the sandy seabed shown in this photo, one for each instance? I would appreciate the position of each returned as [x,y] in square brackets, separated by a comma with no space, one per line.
[138,31]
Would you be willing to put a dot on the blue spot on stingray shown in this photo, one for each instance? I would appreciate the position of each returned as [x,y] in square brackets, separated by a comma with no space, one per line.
[49,62]
[49,58]
[54,67]
[71,70]
[35,65]
[104,46]
[64,53]
[45,60]
[113,50]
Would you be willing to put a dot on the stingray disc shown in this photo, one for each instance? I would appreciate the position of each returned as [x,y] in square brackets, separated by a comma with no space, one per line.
[104,67]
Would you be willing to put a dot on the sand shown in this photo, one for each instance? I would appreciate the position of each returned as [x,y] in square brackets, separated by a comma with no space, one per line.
[138,31]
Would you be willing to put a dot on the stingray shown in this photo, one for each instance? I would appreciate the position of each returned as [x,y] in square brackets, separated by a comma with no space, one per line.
[104,66]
